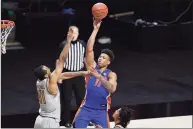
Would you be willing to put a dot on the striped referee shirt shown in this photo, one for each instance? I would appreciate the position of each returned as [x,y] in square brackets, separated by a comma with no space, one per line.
[76,54]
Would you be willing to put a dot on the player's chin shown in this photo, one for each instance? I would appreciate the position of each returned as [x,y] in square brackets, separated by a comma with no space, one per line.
[100,65]
[113,116]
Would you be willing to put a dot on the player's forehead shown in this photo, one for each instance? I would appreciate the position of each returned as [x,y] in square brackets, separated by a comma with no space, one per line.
[104,55]
[45,67]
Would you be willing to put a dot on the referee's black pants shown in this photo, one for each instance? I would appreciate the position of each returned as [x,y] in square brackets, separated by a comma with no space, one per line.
[77,85]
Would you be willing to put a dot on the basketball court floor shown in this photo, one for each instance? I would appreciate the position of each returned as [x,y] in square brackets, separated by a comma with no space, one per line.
[165,122]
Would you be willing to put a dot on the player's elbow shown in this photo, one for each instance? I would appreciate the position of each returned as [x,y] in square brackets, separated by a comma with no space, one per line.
[89,51]
[112,90]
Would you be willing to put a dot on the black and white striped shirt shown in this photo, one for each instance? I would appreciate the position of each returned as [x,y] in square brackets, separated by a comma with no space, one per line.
[76,54]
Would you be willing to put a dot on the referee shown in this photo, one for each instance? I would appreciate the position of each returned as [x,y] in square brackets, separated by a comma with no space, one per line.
[74,62]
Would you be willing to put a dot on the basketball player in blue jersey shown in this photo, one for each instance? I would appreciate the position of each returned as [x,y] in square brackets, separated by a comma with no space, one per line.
[99,86]
[47,88]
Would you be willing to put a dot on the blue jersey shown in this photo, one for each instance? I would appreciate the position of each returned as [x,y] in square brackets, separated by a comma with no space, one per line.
[97,96]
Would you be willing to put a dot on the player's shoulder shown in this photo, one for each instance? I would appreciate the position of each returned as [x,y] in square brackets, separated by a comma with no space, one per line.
[111,73]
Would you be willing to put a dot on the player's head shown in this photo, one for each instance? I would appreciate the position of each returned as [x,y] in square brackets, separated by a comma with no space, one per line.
[105,58]
[42,72]
[75,32]
[122,116]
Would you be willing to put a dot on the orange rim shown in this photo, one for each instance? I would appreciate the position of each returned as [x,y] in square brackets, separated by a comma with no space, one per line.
[6,23]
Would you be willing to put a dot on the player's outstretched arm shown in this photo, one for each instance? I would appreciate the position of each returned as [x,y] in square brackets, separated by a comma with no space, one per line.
[111,84]
[68,75]
[55,75]
[90,45]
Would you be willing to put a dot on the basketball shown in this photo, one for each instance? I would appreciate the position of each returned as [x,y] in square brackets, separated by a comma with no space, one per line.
[99,11]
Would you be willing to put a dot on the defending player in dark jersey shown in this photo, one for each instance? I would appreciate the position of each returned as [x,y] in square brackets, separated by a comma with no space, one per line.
[122,117]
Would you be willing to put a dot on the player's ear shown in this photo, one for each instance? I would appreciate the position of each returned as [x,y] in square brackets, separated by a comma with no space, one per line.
[46,75]
[118,116]
[57,61]
[108,62]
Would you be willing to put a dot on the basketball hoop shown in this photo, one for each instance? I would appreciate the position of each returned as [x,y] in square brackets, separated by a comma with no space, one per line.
[6,27]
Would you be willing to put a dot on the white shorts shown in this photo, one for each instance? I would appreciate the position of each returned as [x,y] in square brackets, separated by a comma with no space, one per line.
[46,122]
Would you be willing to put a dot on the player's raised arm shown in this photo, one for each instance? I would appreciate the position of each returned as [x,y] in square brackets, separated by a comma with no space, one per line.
[55,75]
[64,53]
[90,45]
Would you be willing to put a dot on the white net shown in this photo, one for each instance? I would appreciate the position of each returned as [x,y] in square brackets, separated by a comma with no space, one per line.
[6,27]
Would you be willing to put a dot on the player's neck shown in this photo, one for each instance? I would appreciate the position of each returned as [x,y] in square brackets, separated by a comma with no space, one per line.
[117,122]
[102,69]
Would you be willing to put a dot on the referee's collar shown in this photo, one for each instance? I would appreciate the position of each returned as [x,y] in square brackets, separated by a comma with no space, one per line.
[75,41]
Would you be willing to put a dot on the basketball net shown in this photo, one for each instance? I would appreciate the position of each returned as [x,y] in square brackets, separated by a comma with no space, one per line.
[6,27]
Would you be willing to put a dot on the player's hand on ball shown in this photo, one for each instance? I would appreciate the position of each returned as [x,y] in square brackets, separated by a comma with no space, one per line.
[70,34]
[94,72]
[96,23]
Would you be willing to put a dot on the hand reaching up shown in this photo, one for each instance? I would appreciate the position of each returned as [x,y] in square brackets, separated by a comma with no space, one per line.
[96,23]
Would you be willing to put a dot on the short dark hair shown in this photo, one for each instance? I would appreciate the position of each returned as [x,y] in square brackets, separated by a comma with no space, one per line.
[125,116]
[40,72]
[109,53]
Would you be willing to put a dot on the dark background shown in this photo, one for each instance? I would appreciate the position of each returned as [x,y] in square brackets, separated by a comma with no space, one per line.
[153,64]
